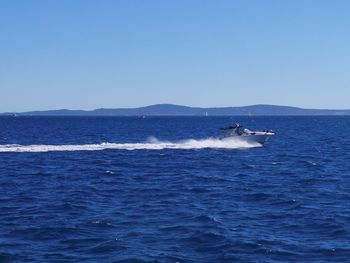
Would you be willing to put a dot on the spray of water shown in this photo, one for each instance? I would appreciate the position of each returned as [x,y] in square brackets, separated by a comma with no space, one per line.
[150,144]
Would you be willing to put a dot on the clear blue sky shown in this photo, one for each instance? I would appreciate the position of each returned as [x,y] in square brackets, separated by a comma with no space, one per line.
[90,54]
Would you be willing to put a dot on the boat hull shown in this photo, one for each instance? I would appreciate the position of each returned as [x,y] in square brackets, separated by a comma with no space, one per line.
[253,138]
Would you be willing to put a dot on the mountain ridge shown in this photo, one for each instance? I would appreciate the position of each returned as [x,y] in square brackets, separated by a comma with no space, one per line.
[181,110]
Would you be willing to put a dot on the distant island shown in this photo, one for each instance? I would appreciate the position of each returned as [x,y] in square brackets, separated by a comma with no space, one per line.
[178,110]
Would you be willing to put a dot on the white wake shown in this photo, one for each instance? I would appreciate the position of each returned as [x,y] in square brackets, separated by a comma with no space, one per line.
[151,144]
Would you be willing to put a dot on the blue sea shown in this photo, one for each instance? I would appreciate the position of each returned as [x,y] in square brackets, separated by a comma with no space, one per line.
[166,189]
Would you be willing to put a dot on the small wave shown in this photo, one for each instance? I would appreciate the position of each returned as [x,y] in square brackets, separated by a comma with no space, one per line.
[150,144]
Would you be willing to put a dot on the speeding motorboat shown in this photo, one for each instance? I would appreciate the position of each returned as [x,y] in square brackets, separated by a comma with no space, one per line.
[243,134]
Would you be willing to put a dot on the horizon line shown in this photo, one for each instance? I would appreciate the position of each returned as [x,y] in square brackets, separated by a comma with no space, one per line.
[172,104]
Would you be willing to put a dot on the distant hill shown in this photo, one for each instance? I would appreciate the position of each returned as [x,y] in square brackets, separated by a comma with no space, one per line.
[178,110]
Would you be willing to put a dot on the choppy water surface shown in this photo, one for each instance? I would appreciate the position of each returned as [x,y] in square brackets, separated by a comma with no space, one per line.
[162,189]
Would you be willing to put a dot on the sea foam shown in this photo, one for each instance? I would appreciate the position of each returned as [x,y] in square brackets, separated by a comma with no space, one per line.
[150,144]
